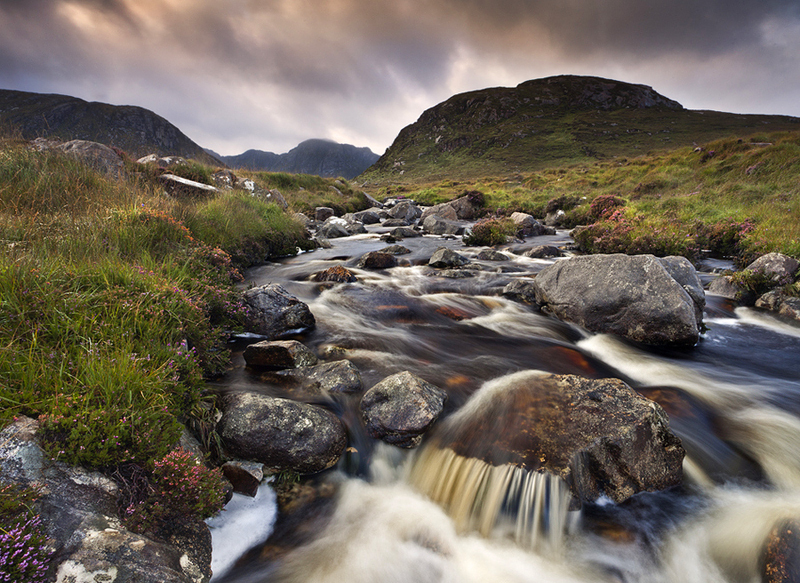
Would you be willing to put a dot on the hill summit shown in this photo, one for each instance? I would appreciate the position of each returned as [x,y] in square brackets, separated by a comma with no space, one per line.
[133,129]
[552,121]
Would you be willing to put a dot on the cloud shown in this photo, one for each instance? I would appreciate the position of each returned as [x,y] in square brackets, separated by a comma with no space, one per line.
[269,73]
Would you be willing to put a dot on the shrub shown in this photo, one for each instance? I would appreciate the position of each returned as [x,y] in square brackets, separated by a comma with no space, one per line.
[564,202]
[181,487]
[24,555]
[602,206]
[490,232]
[723,238]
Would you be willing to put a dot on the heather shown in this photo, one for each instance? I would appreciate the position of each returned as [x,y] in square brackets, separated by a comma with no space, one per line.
[24,555]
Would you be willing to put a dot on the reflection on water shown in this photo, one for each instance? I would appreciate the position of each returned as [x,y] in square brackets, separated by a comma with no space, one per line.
[428,516]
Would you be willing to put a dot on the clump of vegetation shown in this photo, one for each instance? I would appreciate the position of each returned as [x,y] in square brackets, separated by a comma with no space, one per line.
[490,232]
[180,486]
[604,205]
[24,555]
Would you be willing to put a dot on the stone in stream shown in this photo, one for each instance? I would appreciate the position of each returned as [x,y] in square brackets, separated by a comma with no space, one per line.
[521,290]
[335,274]
[340,376]
[279,354]
[396,250]
[492,255]
[782,303]
[527,226]
[780,559]
[245,477]
[281,434]
[444,258]
[404,233]
[274,312]
[781,269]
[377,260]
[436,225]
[543,251]
[636,297]
[401,409]
[600,436]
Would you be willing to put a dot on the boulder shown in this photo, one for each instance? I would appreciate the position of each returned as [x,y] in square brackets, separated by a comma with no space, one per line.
[724,286]
[555,218]
[323,213]
[631,296]
[444,211]
[340,376]
[396,250]
[225,179]
[780,558]
[527,226]
[334,227]
[336,274]
[184,188]
[543,251]
[600,436]
[395,223]
[278,354]
[274,312]
[682,271]
[281,434]
[403,233]
[368,217]
[377,260]
[446,258]
[780,268]
[401,409]
[405,210]
[521,290]
[304,220]
[98,156]
[436,225]
[466,207]
[375,203]
[78,511]
[492,255]
[781,303]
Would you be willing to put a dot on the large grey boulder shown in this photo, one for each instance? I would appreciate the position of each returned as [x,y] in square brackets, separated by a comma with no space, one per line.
[335,227]
[443,210]
[281,434]
[436,225]
[527,226]
[99,156]
[78,513]
[405,210]
[401,408]
[780,268]
[631,296]
[600,436]
[682,271]
[274,312]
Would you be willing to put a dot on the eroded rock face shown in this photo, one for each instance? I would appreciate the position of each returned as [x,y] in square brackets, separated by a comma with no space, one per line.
[281,434]
[274,312]
[631,296]
[599,435]
[401,408]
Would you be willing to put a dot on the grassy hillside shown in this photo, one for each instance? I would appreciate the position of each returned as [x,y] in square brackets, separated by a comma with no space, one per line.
[730,197]
[551,122]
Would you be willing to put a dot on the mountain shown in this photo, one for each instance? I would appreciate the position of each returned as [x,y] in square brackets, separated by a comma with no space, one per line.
[136,130]
[542,123]
[319,157]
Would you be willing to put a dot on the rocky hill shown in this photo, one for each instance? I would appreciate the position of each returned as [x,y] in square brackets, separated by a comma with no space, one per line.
[319,157]
[545,122]
[136,130]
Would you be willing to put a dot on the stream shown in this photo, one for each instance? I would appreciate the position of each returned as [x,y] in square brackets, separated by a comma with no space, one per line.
[741,473]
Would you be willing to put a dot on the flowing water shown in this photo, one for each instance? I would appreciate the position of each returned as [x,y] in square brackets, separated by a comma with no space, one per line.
[430,515]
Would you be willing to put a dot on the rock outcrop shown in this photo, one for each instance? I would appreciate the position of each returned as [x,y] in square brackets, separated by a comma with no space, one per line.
[281,434]
[635,297]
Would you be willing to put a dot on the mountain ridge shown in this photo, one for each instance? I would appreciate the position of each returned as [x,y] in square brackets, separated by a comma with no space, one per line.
[136,130]
[540,123]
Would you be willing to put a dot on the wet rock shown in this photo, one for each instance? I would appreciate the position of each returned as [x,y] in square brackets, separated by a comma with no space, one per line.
[630,296]
[377,260]
[436,225]
[340,376]
[405,210]
[492,255]
[281,434]
[245,477]
[78,512]
[544,251]
[336,274]
[184,188]
[323,213]
[274,312]
[780,268]
[781,303]
[521,290]
[527,226]
[279,354]
[335,227]
[396,250]
[404,233]
[600,436]
[445,258]
[444,211]
[780,559]
[401,409]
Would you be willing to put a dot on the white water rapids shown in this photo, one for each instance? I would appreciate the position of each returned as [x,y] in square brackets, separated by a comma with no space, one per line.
[389,524]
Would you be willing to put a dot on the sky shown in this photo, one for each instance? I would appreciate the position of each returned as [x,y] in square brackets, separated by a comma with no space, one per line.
[267,74]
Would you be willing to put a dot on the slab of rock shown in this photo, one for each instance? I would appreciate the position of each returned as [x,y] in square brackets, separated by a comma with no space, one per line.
[401,409]
[336,274]
[377,260]
[278,354]
[79,514]
[724,286]
[183,187]
[281,434]
[395,223]
[447,258]
[466,207]
[682,271]
[340,376]
[781,268]
[405,210]
[368,217]
[600,436]
[630,296]
[274,312]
